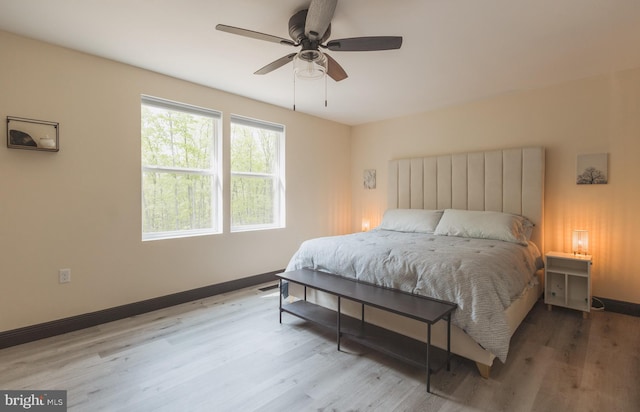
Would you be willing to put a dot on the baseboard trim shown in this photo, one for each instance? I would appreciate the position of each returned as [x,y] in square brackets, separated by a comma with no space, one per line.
[73,323]
[626,308]
[57,327]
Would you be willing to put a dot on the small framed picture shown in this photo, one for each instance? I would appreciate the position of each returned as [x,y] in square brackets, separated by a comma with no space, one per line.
[592,169]
[369,179]
[31,134]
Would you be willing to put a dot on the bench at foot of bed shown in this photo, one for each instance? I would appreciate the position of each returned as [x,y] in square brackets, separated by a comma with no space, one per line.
[420,308]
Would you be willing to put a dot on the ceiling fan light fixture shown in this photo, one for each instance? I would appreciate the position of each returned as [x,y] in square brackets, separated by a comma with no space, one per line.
[310,29]
[310,65]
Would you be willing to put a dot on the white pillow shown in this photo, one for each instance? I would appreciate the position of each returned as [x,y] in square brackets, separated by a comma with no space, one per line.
[411,220]
[485,225]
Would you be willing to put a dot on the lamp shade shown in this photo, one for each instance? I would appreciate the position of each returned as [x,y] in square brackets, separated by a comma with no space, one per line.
[580,242]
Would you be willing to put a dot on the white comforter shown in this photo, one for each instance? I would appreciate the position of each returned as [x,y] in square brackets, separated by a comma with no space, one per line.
[482,276]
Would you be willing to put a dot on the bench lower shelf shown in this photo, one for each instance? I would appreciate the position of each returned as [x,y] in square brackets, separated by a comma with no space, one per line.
[382,340]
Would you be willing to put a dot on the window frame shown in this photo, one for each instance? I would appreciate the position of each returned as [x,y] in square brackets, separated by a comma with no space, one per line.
[215,172]
[279,201]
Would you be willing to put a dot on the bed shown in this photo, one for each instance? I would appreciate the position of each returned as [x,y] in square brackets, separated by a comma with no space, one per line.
[464,227]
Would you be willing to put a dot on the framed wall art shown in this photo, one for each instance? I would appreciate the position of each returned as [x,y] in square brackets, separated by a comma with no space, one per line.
[592,169]
[31,134]
[369,179]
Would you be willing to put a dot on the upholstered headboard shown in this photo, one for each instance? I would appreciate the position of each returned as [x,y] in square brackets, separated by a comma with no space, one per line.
[510,180]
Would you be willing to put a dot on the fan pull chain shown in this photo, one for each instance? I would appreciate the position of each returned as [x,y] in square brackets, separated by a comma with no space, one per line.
[325,90]
[294,91]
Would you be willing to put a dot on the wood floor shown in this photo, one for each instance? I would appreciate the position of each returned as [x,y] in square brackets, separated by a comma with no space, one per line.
[229,353]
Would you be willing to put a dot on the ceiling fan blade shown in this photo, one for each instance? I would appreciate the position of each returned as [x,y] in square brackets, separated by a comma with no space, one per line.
[366,43]
[276,64]
[334,70]
[254,34]
[318,18]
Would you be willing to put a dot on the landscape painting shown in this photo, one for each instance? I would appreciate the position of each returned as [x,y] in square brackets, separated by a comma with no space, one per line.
[592,169]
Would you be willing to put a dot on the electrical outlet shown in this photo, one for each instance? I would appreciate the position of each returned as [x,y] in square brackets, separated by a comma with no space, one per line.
[64,276]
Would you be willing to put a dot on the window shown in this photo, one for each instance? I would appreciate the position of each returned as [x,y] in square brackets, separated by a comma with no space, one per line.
[257,175]
[181,188]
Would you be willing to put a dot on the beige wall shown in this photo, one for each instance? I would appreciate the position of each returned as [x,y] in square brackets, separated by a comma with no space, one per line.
[80,208]
[596,115]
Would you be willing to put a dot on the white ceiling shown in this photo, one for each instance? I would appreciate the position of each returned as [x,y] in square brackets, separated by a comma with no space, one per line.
[454,51]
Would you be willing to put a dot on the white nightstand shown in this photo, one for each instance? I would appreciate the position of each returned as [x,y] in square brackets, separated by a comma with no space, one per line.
[568,281]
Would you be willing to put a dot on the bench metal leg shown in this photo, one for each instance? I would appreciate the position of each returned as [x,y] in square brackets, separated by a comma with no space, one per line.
[338,323]
[428,363]
[280,288]
[449,342]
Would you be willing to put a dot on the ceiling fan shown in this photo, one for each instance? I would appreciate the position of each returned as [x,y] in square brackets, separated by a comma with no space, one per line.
[309,29]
